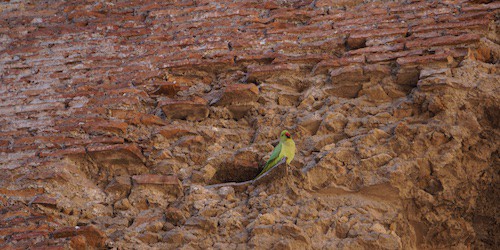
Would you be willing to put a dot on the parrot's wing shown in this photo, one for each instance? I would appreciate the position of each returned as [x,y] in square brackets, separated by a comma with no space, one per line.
[274,155]
[273,159]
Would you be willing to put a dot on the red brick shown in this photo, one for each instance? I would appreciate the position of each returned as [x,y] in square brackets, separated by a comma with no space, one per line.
[305,59]
[382,57]
[293,15]
[239,93]
[448,25]
[30,108]
[197,63]
[357,38]
[255,56]
[14,212]
[479,7]
[348,73]
[367,22]
[173,131]
[444,40]
[326,19]
[476,15]
[409,7]
[62,152]
[21,229]
[30,235]
[323,66]
[44,200]
[27,192]
[433,12]
[131,150]
[147,119]
[258,71]
[377,49]
[423,59]
[336,3]
[124,101]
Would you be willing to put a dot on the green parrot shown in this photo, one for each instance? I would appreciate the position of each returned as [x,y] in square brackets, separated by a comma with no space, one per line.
[286,147]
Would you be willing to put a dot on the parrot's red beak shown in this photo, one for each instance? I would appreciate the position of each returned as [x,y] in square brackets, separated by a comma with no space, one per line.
[288,135]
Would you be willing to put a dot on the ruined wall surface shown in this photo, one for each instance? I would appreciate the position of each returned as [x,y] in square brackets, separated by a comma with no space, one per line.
[115,116]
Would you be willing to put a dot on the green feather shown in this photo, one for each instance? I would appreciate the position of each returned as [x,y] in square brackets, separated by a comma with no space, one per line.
[273,159]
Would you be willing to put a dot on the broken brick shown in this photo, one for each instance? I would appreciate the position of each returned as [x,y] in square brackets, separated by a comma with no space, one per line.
[195,109]
[239,93]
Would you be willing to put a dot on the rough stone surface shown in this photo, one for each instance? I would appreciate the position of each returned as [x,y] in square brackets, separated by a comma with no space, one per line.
[120,120]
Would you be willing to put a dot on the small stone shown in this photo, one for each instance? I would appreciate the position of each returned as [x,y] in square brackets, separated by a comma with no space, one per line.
[209,224]
[123,204]
[119,187]
[175,215]
[227,193]
[149,237]
[377,227]
[266,219]
[154,226]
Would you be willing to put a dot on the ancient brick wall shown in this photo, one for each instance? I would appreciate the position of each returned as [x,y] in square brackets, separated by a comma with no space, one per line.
[115,115]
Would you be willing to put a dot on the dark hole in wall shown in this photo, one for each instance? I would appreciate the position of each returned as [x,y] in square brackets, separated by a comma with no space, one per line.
[234,173]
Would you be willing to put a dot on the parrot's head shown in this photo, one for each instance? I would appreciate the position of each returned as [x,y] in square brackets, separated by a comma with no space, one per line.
[285,135]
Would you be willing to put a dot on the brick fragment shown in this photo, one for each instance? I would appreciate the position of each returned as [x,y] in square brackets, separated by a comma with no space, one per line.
[45,201]
[148,119]
[168,89]
[358,73]
[115,127]
[265,71]
[195,109]
[239,93]
[27,192]
[103,152]
[93,236]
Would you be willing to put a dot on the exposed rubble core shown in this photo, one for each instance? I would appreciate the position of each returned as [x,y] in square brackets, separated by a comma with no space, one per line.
[118,120]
